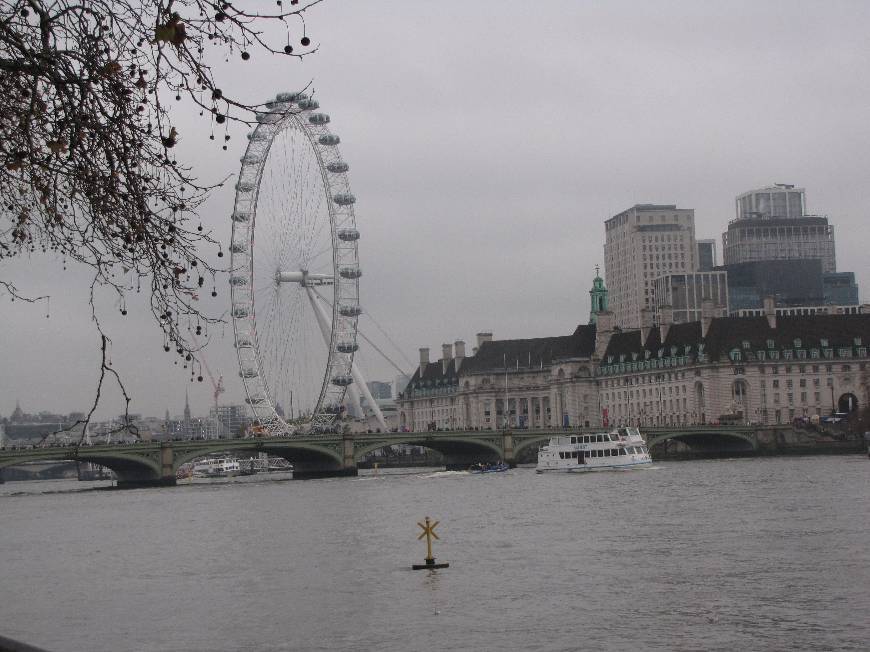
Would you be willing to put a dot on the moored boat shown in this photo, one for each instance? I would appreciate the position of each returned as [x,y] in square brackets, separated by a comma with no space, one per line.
[216,467]
[621,448]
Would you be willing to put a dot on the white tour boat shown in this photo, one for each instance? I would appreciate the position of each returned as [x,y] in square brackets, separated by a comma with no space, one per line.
[216,467]
[618,449]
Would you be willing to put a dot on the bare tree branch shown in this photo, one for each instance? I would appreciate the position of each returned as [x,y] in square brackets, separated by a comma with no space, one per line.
[88,170]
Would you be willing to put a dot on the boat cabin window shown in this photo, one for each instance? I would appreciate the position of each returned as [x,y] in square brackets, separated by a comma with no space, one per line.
[623,432]
[622,451]
[573,440]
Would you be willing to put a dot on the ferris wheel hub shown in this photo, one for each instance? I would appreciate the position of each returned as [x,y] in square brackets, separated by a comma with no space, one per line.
[304,278]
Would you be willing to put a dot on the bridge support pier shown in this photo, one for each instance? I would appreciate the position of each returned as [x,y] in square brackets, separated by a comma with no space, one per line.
[507,445]
[145,483]
[313,474]
[313,470]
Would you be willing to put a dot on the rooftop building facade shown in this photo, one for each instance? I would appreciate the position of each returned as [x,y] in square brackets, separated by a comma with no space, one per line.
[762,238]
[779,200]
[641,244]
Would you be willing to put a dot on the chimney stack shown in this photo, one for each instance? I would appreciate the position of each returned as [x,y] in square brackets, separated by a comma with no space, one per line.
[707,312]
[646,322]
[446,356]
[604,326]
[769,304]
[666,319]
[459,353]
[424,359]
[483,337]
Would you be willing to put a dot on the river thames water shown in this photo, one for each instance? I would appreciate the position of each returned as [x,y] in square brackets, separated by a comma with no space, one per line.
[747,554]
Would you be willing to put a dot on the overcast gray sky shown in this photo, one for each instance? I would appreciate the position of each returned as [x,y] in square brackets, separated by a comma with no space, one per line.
[488,142]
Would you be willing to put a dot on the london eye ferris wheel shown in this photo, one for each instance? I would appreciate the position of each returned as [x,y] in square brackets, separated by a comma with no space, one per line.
[294,269]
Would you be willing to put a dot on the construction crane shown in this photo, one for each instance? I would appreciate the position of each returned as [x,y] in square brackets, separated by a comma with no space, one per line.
[217,385]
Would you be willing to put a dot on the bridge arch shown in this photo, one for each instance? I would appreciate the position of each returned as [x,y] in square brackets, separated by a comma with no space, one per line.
[297,452]
[709,441]
[526,448]
[130,467]
[476,447]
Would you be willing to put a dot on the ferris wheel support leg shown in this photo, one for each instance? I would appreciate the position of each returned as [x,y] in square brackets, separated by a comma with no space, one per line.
[360,381]
[354,399]
[358,378]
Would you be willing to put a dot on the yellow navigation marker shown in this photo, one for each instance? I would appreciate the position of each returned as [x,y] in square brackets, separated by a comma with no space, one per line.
[428,528]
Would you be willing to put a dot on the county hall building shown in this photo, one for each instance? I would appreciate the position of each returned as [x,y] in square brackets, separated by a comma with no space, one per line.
[763,369]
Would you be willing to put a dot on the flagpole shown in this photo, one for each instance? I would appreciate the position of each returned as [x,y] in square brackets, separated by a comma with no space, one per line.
[506,410]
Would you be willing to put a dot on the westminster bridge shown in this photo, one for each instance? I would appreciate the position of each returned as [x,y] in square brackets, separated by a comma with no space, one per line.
[327,455]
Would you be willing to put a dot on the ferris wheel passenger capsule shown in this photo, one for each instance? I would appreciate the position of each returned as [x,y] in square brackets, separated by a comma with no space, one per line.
[249,373]
[241,216]
[329,140]
[241,312]
[244,343]
[347,347]
[342,380]
[349,311]
[318,118]
[290,97]
[244,186]
[338,167]
[350,272]
[238,280]
[344,199]
[348,235]
[309,105]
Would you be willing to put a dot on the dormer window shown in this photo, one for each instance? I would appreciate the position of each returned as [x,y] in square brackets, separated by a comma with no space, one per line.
[736,355]
[857,341]
[824,342]
[746,345]
[771,344]
[797,343]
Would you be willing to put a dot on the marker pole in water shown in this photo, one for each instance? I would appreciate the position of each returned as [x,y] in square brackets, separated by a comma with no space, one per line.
[428,527]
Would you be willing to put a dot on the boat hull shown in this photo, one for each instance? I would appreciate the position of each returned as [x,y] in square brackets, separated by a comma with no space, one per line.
[589,468]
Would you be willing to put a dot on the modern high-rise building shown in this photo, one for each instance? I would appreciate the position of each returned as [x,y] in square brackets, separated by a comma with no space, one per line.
[771,225]
[641,244]
[686,294]
[706,255]
[380,390]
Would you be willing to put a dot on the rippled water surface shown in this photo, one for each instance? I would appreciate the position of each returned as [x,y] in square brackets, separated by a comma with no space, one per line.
[757,554]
